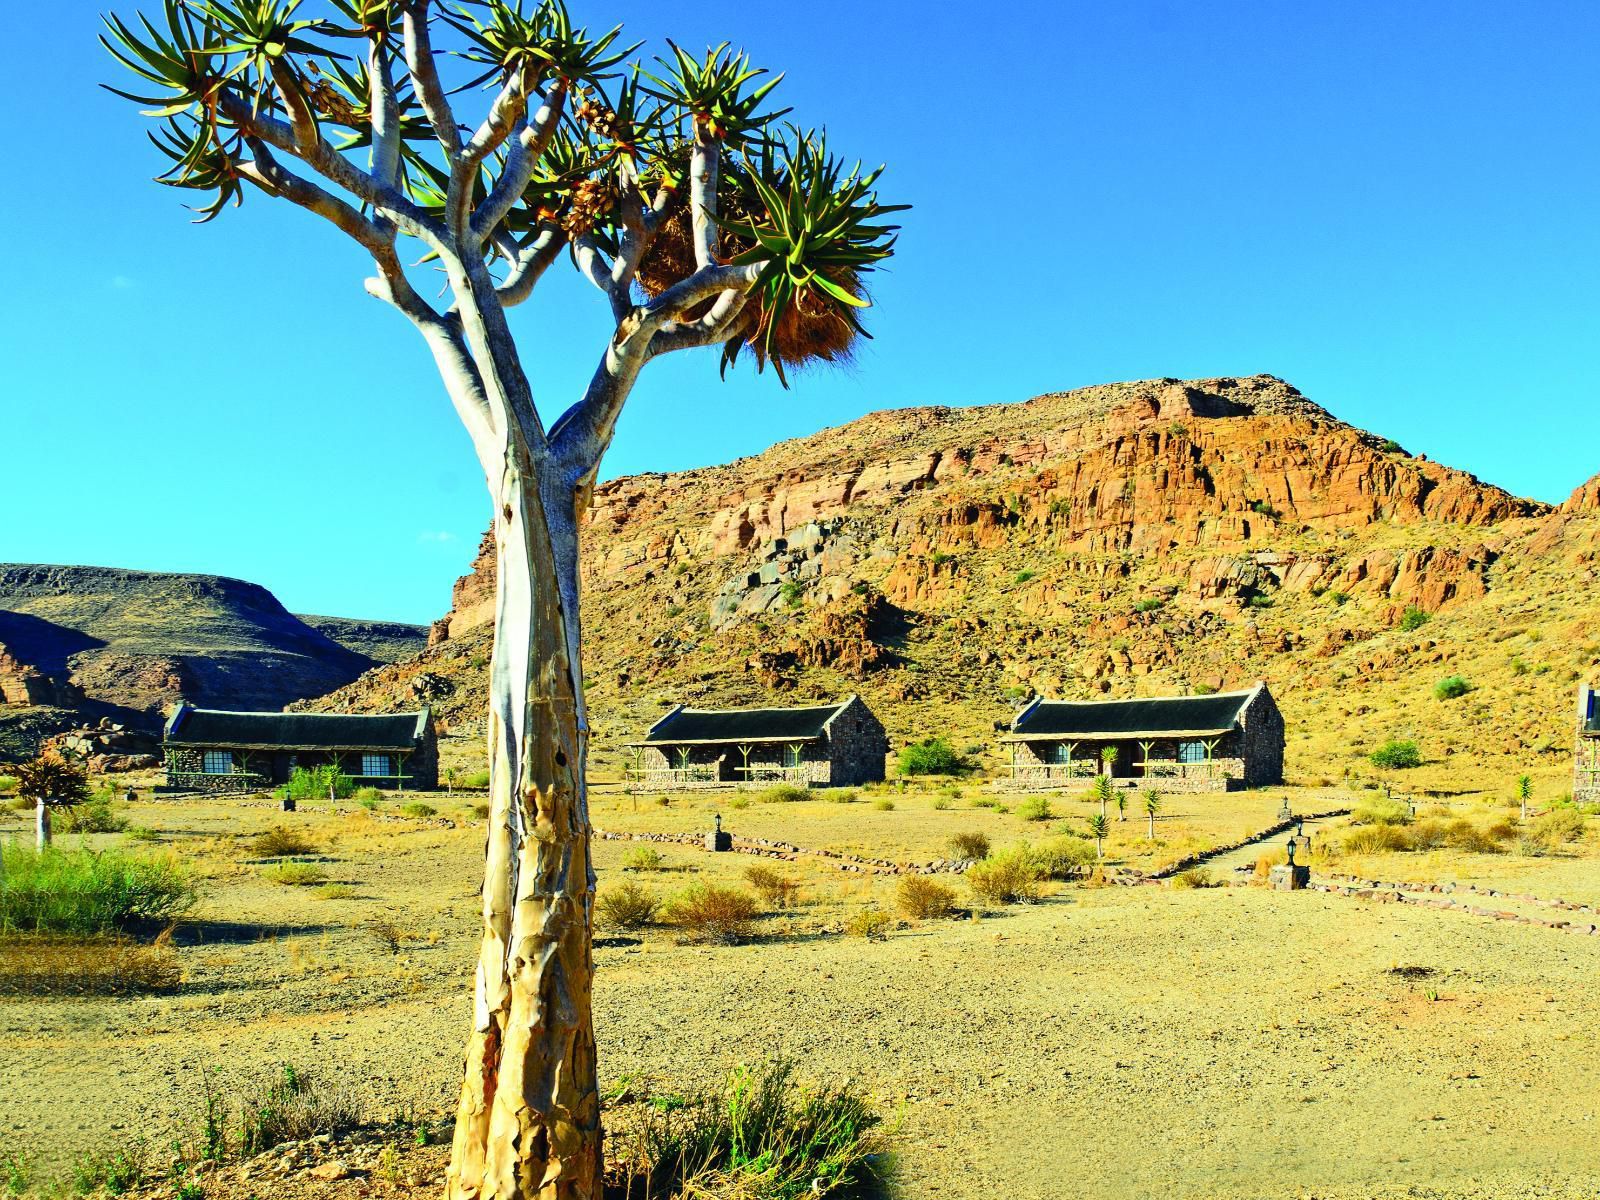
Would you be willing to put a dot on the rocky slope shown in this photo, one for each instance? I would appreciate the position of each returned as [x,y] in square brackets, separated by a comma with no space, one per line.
[1125,539]
[98,642]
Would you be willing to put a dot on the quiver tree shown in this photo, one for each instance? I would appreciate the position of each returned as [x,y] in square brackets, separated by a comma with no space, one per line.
[700,222]
[50,781]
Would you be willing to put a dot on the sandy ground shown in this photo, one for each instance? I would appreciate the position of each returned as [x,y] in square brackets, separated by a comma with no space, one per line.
[1106,1042]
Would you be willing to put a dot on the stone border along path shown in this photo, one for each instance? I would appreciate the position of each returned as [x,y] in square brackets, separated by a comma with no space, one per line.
[767,848]
[1439,895]
[1195,860]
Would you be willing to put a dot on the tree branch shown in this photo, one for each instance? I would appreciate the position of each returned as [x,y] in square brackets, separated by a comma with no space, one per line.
[425,79]
[510,104]
[727,316]
[385,105]
[530,264]
[532,140]
[703,164]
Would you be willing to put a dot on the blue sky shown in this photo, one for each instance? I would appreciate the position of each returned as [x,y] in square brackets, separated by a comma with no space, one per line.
[1393,206]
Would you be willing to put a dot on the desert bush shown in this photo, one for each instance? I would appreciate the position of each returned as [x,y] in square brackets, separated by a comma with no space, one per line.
[931,756]
[280,842]
[325,782]
[1262,871]
[776,888]
[627,905]
[335,891]
[642,858]
[783,793]
[1375,839]
[940,803]
[921,898]
[1396,755]
[114,1170]
[143,833]
[474,779]
[840,795]
[16,1171]
[480,812]
[762,1137]
[1414,618]
[1035,808]
[1558,825]
[368,797]
[8,785]
[1464,835]
[1064,857]
[65,965]
[1006,878]
[1451,687]
[291,1105]
[706,912]
[94,815]
[1194,877]
[1381,810]
[883,804]
[950,792]
[294,874]
[83,892]
[969,845]
[869,923]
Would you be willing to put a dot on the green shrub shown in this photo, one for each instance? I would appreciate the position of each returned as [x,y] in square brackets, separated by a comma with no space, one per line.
[627,905]
[1035,808]
[368,797]
[931,756]
[1149,604]
[1451,687]
[1064,857]
[1396,755]
[115,1170]
[969,845]
[8,785]
[1008,877]
[317,783]
[708,913]
[475,779]
[143,833]
[1390,446]
[839,795]
[294,874]
[869,923]
[419,810]
[762,1137]
[84,892]
[279,842]
[1340,599]
[883,804]
[921,898]
[1414,618]
[783,793]
[94,815]
[1022,577]
[642,858]
[941,803]
[335,891]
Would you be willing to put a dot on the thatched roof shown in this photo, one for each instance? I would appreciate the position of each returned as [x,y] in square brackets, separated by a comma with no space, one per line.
[684,726]
[1166,716]
[294,731]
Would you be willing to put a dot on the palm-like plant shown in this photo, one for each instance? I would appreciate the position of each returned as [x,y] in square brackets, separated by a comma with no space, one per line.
[1524,793]
[1101,791]
[699,221]
[1152,805]
[1099,827]
[1122,805]
[51,782]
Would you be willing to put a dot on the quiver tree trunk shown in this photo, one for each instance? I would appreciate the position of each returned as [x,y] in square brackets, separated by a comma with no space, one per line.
[528,1122]
[41,824]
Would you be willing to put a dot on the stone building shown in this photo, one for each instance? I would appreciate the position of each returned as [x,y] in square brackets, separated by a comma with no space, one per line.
[210,750]
[1586,747]
[828,745]
[1214,743]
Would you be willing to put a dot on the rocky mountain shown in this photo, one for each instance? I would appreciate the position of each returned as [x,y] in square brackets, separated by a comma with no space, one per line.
[1133,538]
[91,643]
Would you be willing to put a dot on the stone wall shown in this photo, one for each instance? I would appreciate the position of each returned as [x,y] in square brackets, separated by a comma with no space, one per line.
[1261,741]
[857,745]
[1225,772]
[183,768]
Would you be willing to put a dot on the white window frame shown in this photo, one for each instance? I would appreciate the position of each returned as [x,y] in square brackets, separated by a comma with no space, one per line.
[386,761]
[211,759]
[1191,752]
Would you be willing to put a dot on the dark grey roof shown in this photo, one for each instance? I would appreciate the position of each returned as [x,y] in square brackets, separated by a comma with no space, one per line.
[743,724]
[308,731]
[1167,715]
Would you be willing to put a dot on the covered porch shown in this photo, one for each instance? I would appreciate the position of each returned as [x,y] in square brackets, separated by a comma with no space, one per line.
[668,766]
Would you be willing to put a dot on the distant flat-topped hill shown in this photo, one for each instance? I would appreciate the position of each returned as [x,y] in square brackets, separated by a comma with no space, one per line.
[1127,539]
[101,641]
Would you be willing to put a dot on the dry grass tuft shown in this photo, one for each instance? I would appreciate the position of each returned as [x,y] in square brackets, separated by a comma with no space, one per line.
[1194,877]
[280,842]
[709,913]
[294,874]
[869,923]
[627,905]
[922,899]
[52,965]
[1007,878]
[776,888]
[970,845]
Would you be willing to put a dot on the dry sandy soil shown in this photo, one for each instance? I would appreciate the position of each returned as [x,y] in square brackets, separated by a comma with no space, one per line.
[1114,1041]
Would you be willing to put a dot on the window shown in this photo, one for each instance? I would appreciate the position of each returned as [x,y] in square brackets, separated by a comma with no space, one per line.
[377,764]
[1064,752]
[1191,752]
[217,762]
[791,756]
